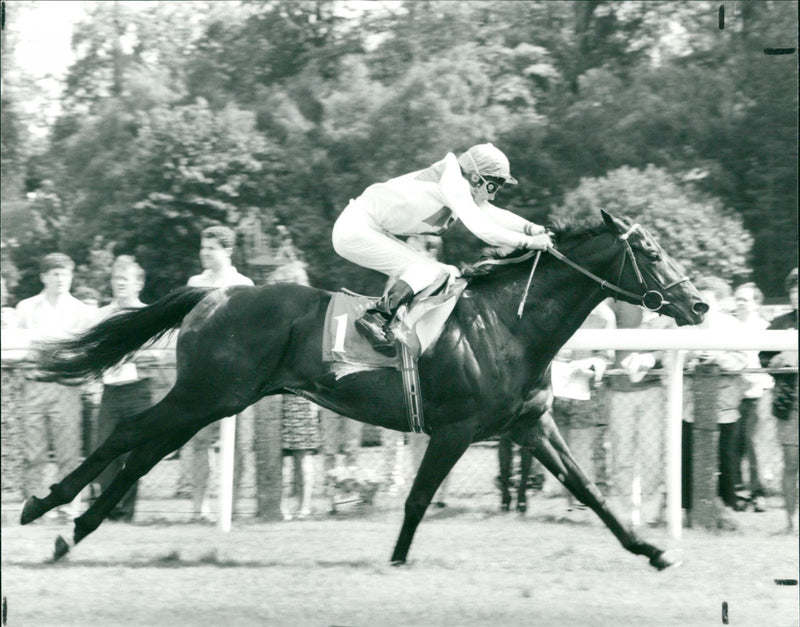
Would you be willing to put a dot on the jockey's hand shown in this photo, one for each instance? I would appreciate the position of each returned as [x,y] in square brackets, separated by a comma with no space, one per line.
[451,270]
[538,242]
[531,228]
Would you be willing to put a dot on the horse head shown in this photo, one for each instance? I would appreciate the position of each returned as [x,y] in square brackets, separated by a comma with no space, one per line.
[651,277]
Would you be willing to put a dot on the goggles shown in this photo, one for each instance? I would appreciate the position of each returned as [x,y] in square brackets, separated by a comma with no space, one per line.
[492,183]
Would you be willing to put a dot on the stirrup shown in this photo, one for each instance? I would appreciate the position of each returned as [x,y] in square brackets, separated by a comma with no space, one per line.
[377,334]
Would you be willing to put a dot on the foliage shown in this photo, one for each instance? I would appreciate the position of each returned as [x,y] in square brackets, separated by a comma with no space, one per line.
[179,115]
[96,271]
[707,238]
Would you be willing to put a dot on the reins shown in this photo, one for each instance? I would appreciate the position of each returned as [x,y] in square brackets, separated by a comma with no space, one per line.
[651,299]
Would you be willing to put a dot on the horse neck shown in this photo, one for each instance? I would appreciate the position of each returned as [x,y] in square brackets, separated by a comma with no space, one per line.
[560,298]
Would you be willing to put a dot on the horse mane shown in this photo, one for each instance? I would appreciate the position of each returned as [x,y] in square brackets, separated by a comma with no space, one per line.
[564,231]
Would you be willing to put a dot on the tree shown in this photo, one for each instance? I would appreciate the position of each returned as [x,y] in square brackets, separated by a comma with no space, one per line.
[698,230]
[568,90]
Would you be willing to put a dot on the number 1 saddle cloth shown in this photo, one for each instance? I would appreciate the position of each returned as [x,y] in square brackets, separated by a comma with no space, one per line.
[418,327]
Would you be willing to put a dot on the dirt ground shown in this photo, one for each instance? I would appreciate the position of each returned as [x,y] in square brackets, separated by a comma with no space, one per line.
[467,568]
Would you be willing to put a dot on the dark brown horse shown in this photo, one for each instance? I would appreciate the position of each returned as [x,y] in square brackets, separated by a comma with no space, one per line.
[488,373]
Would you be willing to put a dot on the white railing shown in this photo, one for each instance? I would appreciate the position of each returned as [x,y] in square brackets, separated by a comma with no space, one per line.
[677,341]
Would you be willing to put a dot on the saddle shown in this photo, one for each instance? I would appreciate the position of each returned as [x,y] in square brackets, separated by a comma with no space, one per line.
[416,327]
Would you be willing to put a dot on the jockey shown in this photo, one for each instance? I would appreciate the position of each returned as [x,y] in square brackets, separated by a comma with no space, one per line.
[427,201]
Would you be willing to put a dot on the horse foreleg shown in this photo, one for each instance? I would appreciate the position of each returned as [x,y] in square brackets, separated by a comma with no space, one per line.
[550,448]
[445,448]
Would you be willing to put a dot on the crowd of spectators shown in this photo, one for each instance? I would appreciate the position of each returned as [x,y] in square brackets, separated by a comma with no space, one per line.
[606,403]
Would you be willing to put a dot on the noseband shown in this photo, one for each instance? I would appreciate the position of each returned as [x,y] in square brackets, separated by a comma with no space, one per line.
[651,299]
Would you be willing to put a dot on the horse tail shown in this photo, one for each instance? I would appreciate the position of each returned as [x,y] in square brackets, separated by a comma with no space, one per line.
[89,354]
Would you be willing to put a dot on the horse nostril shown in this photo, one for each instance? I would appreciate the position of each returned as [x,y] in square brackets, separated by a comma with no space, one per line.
[700,307]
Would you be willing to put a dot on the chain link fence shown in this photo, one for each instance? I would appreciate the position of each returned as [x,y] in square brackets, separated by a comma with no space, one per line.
[618,438]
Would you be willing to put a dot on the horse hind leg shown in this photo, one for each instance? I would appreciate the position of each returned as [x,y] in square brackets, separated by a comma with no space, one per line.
[549,448]
[445,448]
[139,463]
[127,435]
[70,486]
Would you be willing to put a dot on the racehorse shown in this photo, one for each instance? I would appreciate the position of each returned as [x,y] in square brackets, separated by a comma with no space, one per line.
[487,374]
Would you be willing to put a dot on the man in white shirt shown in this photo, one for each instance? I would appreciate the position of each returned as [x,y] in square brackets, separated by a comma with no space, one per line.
[748,299]
[51,412]
[715,292]
[427,202]
[127,388]
[216,249]
[578,410]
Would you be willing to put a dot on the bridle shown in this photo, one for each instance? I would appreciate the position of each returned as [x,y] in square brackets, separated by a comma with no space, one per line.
[651,299]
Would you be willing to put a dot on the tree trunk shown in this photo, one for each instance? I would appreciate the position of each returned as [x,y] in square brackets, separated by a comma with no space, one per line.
[705,457]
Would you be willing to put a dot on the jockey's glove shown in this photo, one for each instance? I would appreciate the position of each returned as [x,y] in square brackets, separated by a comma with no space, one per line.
[538,242]
[531,228]
[451,270]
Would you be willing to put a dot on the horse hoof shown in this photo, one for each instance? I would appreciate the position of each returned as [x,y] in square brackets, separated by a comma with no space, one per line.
[398,562]
[32,509]
[522,508]
[664,560]
[61,548]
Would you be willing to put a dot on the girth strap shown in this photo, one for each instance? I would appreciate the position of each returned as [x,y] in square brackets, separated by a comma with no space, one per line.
[411,388]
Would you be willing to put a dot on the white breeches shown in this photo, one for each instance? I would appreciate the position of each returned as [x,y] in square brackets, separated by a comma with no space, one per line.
[356,238]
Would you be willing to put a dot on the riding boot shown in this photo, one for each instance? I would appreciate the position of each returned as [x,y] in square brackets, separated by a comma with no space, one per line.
[373,325]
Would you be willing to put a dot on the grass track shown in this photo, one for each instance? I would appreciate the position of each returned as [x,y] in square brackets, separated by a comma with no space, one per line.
[469,569]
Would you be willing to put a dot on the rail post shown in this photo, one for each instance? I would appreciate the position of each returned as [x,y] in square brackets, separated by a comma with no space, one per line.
[674,419]
[227,453]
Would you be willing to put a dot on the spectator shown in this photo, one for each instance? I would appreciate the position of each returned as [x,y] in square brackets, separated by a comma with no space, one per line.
[576,410]
[340,436]
[126,388]
[216,249]
[9,315]
[505,458]
[300,420]
[51,414]
[748,299]
[394,444]
[300,440]
[636,423]
[784,402]
[715,292]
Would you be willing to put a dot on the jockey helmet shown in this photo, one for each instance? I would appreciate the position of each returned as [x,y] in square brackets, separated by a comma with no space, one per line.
[487,160]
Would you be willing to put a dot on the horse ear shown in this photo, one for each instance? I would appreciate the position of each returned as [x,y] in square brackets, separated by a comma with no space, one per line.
[612,222]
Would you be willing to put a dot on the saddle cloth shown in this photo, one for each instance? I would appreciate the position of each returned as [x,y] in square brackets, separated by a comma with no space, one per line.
[418,327]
